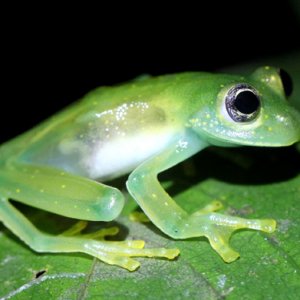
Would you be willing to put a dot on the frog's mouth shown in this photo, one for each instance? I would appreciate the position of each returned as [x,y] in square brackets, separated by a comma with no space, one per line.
[268,137]
[278,135]
[273,144]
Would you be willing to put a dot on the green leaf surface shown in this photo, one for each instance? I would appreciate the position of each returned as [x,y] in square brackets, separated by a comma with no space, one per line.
[250,182]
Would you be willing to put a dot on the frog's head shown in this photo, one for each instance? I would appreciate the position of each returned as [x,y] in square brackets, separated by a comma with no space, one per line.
[251,111]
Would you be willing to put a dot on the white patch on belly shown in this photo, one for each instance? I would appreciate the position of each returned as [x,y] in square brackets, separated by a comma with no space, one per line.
[123,154]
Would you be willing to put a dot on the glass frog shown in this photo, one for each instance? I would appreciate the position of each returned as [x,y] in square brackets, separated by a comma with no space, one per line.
[142,127]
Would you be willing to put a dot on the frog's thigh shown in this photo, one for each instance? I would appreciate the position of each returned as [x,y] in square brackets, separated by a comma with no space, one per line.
[177,223]
[61,193]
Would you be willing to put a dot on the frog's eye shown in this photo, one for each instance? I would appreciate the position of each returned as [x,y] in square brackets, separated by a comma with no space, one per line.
[287,82]
[242,103]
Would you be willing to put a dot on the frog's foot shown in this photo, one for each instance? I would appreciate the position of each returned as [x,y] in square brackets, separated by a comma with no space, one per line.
[78,227]
[112,252]
[138,216]
[75,229]
[218,229]
[211,207]
[121,253]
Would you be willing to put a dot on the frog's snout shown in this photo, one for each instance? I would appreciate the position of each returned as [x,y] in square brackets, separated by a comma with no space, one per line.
[280,129]
[296,121]
[291,131]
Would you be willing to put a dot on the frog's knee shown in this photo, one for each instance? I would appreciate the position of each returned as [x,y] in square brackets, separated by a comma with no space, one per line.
[109,205]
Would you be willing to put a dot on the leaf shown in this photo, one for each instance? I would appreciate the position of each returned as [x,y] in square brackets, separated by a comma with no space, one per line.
[250,182]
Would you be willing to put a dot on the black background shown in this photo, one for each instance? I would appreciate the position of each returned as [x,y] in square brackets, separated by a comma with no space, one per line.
[53,56]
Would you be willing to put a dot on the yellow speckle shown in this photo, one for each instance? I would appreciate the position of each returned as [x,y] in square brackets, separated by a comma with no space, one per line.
[63,186]
[62,173]
[266,116]
[166,204]
[154,196]
[75,206]
[208,116]
[222,85]
[204,123]
[267,68]
[18,190]
[88,210]
[41,190]
[55,202]
[270,128]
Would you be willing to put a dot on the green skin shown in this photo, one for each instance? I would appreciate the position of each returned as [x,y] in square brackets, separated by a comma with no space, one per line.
[144,127]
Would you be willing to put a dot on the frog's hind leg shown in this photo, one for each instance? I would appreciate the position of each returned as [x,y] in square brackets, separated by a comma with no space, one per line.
[72,196]
[116,253]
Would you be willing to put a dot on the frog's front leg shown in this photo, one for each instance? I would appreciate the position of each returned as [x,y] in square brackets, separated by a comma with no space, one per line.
[73,196]
[173,220]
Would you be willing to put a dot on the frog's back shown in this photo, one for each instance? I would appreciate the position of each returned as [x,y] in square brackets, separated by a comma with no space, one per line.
[113,128]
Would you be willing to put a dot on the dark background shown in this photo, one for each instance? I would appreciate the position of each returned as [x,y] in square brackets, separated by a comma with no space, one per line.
[54,56]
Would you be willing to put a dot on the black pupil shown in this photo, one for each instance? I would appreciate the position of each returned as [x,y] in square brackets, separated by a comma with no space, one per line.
[246,102]
[286,82]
